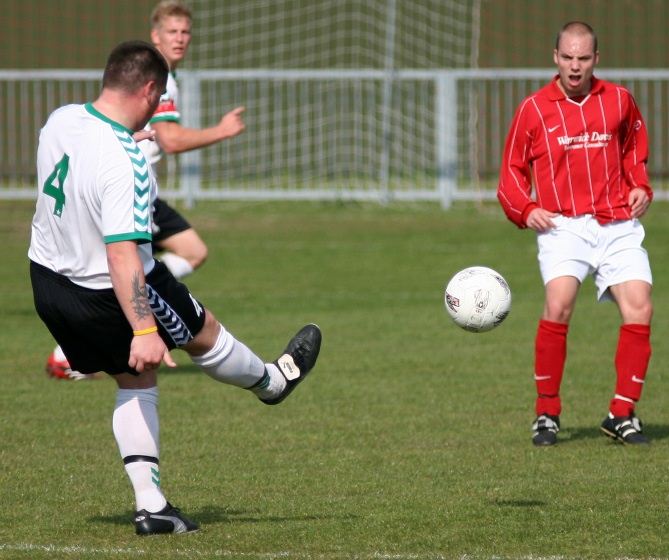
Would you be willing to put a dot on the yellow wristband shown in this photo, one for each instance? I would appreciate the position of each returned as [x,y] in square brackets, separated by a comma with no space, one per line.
[145,331]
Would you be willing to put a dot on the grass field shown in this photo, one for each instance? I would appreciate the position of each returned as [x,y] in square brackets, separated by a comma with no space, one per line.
[410,440]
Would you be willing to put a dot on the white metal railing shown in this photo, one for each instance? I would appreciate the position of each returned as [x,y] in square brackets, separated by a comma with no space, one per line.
[327,134]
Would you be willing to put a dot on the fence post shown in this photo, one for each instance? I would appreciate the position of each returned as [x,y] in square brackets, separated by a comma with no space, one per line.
[446,111]
[190,162]
[388,85]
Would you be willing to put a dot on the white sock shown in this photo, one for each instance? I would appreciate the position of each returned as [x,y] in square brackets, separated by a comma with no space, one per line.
[271,385]
[178,266]
[136,429]
[231,362]
[145,478]
[59,354]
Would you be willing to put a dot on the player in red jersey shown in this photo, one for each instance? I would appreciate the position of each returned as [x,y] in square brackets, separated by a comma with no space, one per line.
[583,143]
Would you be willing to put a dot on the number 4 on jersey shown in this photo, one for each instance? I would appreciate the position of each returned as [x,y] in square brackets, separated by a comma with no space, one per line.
[53,186]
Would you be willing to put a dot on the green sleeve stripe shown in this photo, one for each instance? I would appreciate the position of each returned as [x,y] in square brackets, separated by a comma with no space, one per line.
[140,237]
[142,200]
[164,118]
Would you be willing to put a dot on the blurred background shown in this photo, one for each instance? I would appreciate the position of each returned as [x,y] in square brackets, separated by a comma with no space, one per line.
[347,99]
[511,33]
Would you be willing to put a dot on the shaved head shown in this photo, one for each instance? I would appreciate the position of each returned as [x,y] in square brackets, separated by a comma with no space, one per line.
[577,28]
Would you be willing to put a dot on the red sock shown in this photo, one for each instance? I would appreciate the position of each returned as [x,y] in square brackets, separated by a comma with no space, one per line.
[632,357]
[550,354]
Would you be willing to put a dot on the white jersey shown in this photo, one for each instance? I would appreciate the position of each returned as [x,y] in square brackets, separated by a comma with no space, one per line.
[167,111]
[94,188]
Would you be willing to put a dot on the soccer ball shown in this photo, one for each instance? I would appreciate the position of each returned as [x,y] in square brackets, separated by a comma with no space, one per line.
[478,299]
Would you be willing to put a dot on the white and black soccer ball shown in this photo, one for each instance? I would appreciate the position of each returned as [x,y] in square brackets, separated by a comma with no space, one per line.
[478,299]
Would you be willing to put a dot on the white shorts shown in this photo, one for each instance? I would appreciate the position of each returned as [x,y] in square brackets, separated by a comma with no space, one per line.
[580,247]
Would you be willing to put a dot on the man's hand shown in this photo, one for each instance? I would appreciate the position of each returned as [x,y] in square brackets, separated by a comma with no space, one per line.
[148,351]
[144,135]
[540,220]
[639,202]
[232,124]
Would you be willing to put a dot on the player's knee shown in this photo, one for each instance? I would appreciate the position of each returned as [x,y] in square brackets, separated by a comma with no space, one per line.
[206,338]
[640,314]
[556,312]
[199,257]
[193,249]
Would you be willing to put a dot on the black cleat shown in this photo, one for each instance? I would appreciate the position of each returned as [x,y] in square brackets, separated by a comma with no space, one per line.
[297,360]
[168,520]
[626,429]
[545,429]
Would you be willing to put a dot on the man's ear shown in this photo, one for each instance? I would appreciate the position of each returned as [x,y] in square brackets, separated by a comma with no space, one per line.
[154,36]
[151,90]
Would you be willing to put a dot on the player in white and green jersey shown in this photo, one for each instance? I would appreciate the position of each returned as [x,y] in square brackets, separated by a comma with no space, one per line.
[109,201]
[107,302]
[180,246]
[167,111]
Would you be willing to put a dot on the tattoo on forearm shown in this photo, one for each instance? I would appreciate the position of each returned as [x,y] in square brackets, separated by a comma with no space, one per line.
[140,299]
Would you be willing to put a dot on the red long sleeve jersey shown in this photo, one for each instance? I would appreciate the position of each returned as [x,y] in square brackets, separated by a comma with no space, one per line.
[584,156]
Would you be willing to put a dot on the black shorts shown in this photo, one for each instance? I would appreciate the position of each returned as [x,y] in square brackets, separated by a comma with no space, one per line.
[166,222]
[90,325]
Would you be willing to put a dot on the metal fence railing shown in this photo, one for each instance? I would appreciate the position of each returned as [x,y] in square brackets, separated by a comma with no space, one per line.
[351,134]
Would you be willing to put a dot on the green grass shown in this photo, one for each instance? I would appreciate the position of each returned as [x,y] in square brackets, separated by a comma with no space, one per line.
[411,439]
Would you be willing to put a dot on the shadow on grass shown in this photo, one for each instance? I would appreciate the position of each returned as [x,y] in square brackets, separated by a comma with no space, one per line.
[213,515]
[181,368]
[653,432]
[517,503]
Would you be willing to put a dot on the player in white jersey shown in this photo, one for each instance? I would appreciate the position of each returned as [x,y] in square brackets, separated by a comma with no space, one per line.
[167,111]
[180,246]
[61,241]
[110,305]
[182,249]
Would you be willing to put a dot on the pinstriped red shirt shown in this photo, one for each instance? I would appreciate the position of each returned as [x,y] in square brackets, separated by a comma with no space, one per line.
[584,154]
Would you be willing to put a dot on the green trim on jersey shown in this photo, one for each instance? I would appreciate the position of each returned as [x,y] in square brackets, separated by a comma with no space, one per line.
[164,118]
[140,168]
[135,236]
[93,111]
